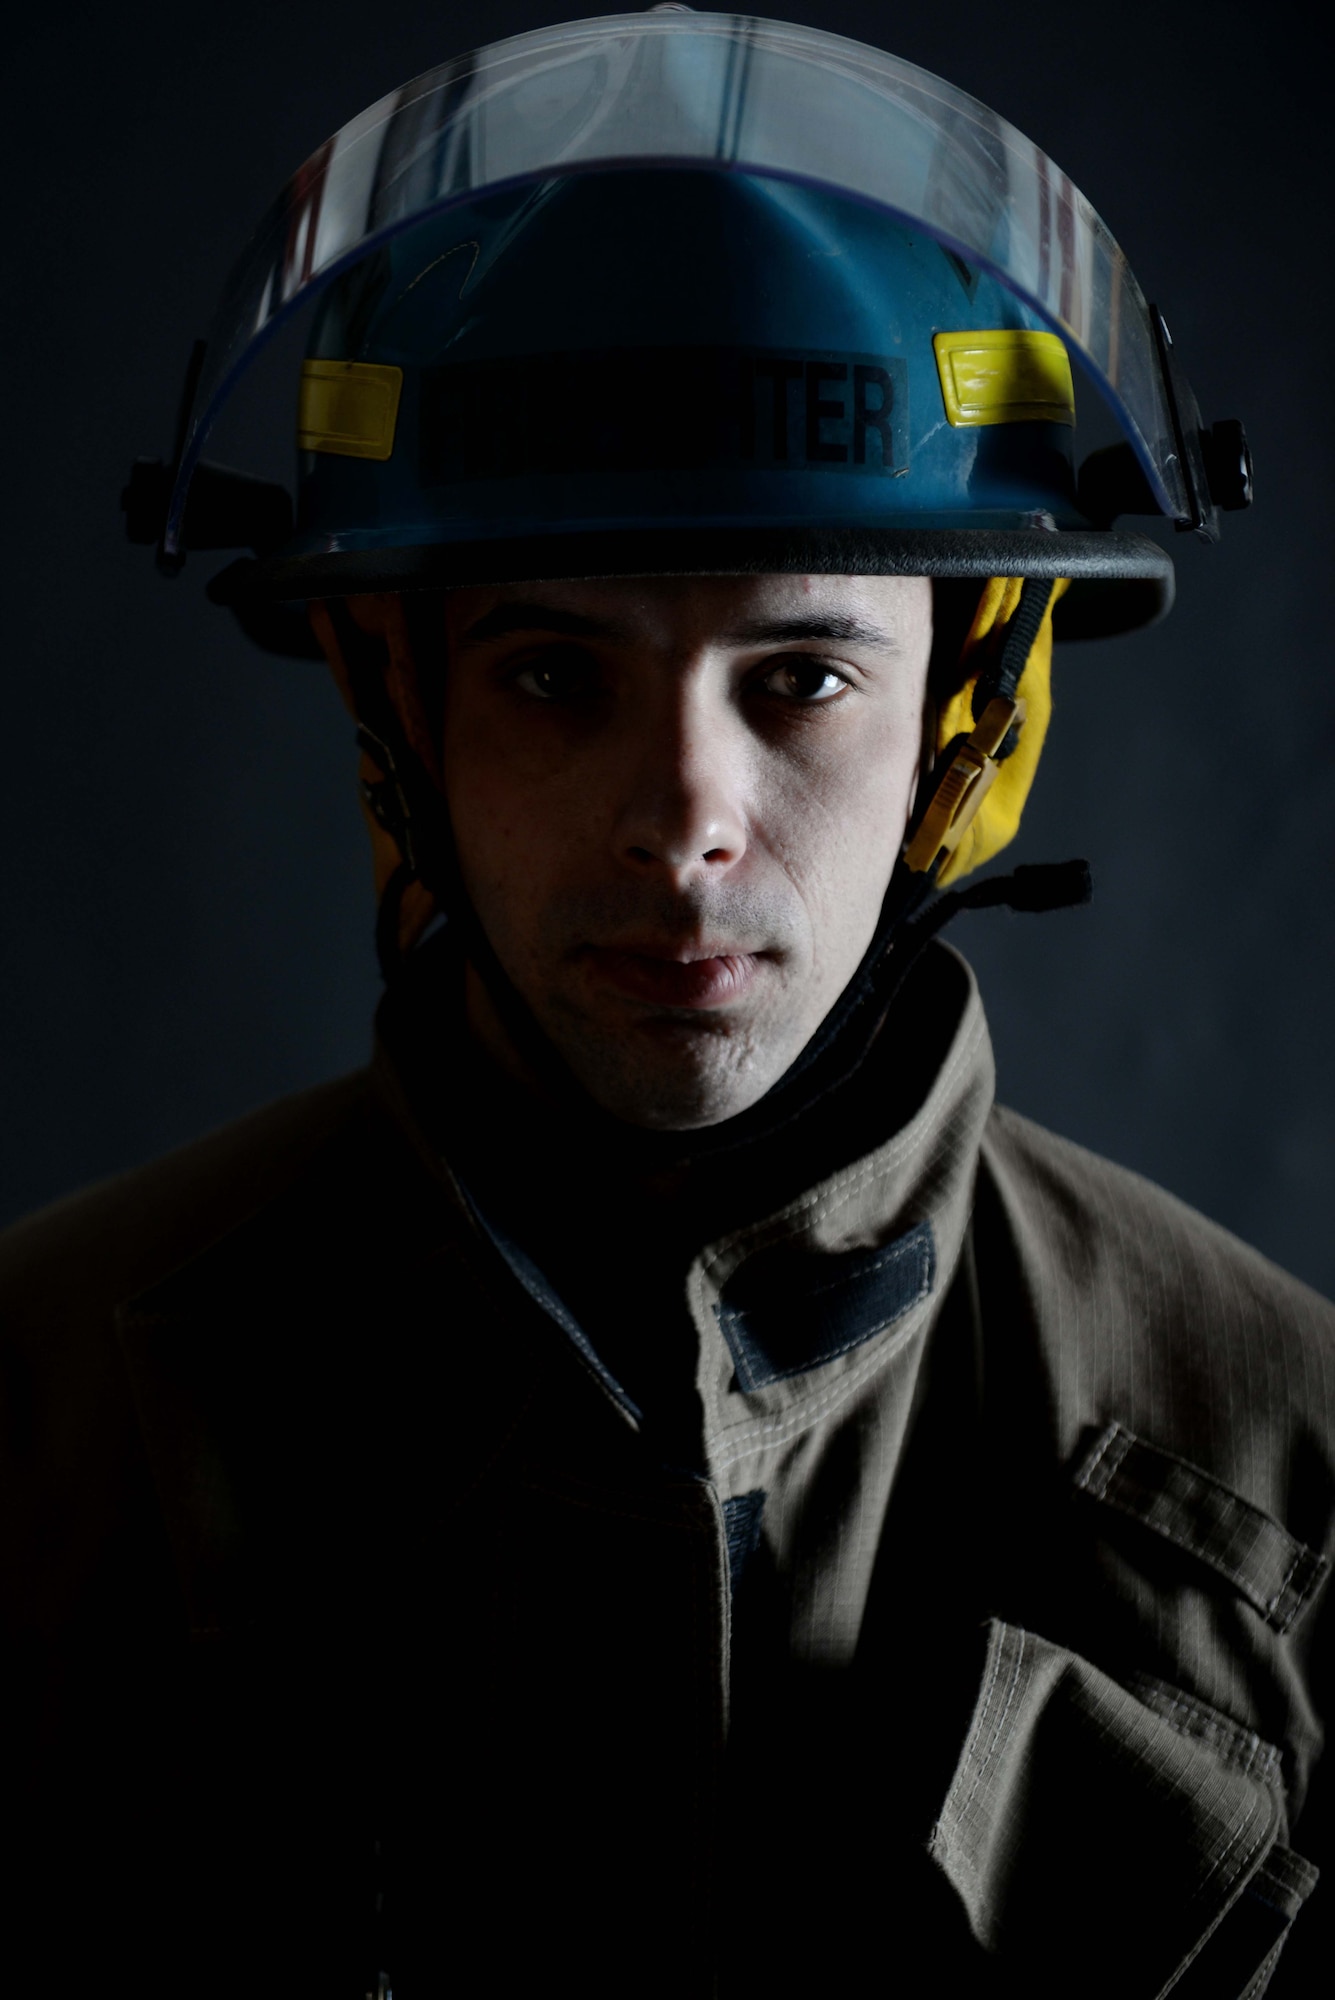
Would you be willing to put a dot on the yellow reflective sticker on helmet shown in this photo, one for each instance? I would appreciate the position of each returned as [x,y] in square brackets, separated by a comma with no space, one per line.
[348,407]
[1008,376]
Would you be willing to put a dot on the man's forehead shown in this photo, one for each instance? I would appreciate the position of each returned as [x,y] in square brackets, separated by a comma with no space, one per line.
[864,610]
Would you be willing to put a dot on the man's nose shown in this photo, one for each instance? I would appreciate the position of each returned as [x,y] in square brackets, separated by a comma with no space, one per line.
[682,816]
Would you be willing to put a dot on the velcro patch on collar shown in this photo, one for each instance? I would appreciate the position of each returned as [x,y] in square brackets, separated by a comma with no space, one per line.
[786,1311]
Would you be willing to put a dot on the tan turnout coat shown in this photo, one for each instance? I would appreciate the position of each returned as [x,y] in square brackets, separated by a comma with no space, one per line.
[332,1569]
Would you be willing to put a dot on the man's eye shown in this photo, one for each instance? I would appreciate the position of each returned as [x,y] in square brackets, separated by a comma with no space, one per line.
[558,676]
[802,680]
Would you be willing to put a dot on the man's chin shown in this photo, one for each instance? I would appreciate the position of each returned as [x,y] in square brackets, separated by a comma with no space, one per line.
[668,1074]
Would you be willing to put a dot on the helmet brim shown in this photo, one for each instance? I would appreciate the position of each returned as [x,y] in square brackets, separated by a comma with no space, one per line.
[1119,582]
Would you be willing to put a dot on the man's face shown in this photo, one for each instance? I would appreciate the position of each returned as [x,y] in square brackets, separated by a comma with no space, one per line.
[677,804]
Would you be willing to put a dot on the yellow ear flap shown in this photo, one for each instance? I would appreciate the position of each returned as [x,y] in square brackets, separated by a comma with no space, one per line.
[997,820]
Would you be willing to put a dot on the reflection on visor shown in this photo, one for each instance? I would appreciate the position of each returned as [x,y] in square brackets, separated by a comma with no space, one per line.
[693,90]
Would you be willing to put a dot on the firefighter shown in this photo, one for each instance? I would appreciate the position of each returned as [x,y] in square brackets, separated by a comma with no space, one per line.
[659,1485]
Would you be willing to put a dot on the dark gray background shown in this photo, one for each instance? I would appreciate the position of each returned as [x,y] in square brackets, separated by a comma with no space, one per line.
[186,897]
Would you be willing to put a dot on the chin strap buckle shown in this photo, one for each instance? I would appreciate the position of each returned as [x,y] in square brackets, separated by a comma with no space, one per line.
[968,772]
[385,798]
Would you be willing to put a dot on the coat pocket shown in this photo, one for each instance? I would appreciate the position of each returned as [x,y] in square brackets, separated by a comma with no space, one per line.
[1098,1845]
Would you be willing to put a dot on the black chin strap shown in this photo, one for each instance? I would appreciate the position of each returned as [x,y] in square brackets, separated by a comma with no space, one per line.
[1002,675]
[1033,887]
[913,914]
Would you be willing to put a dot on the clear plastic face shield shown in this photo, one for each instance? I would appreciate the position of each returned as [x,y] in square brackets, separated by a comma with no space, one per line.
[677,89]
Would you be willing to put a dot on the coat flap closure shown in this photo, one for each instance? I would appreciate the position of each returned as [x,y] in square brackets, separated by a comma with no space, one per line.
[1077,1811]
[1268,1567]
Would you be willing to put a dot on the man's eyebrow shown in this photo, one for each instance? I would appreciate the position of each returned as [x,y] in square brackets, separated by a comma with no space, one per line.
[519,615]
[827,628]
[830,627]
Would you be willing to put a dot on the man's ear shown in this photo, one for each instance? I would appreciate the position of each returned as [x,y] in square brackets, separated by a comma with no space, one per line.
[417,906]
[383,616]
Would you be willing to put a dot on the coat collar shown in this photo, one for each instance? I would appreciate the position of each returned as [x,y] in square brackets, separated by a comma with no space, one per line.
[796,1312]
[290,1379]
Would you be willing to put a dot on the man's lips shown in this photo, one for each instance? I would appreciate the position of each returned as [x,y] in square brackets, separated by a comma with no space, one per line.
[674,975]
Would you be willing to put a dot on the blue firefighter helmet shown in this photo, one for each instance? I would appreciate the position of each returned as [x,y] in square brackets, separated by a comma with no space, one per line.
[680,293]
[675,354]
